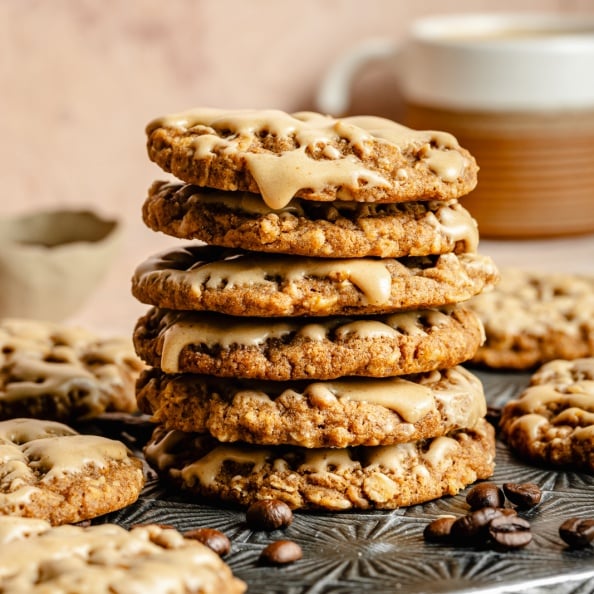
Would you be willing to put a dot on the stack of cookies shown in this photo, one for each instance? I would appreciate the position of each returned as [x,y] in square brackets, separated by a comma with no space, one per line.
[308,347]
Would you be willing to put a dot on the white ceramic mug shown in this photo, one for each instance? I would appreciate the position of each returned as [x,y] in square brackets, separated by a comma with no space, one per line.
[518,91]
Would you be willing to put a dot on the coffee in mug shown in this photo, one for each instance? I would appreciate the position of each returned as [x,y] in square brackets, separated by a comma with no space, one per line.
[517,90]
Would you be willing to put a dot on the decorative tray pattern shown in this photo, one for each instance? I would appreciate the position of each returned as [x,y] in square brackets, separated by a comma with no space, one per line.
[384,552]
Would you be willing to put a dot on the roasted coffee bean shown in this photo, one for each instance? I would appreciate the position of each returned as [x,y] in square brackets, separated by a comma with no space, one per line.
[510,532]
[577,532]
[473,527]
[213,539]
[524,495]
[485,495]
[439,529]
[269,514]
[281,552]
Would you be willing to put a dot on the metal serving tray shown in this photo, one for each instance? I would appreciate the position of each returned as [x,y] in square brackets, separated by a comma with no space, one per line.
[384,552]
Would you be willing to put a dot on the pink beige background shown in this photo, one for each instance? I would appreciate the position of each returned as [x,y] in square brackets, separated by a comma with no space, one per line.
[79,79]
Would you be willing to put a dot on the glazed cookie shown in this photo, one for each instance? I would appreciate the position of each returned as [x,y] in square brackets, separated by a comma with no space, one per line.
[342,413]
[552,421]
[312,156]
[338,229]
[243,283]
[52,371]
[534,317]
[382,477]
[36,557]
[307,348]
[49,471]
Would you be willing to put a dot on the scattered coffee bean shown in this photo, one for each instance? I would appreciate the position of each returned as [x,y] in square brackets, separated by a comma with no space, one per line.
[269,514]
[510,532]
[524,495]
[281,552]
[485,495]
[439,529]
[473,527]
[577,532]
[213,539]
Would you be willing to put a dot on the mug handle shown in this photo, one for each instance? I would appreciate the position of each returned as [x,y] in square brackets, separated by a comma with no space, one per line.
[333,96]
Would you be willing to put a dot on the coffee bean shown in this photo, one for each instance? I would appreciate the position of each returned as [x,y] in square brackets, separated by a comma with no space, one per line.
[473,527]
[510,532]
[577,532]
[485,495]
[524,495]
[213,539]
[281,552]
[269,514]
[439,529]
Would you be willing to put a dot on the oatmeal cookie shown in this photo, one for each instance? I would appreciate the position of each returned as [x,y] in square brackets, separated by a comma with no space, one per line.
[338,229]
[381,477]
[49,471]
[52,371]
[309,155]
[242,283]
[307,348]
[534,317]
[552,421]
[340,413]
[36,558]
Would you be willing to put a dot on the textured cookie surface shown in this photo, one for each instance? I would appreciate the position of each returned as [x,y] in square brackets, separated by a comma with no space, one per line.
[38,558]
[303,227]
[342,413]
[63,373]
[280,155]
[552,421]
[383,477]
[534,317]
[243,283]
[49,471]
[307,348]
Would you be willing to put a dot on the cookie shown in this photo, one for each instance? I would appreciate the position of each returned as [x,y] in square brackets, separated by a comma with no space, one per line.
[36,557]
[52,371]
[338,229]
[534,317]
[552,421]
[51,472]
[306,348]
[343,413]
[309,155]
[242,283]
[382,477]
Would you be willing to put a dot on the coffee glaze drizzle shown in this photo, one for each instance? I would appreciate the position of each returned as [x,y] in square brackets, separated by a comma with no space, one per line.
[182,329]
[314,157]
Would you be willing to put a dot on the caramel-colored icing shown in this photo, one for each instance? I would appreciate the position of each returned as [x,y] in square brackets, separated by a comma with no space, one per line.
[206,470]
[106,558]
[35,452]
[182,329]
[370,276]
[568,375]
[541,405]
[40,359]
[536,304]
[438,452]
[315,161]
[410,400]
[433,456]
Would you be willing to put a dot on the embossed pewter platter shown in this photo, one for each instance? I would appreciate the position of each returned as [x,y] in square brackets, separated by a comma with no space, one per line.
[384,552]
